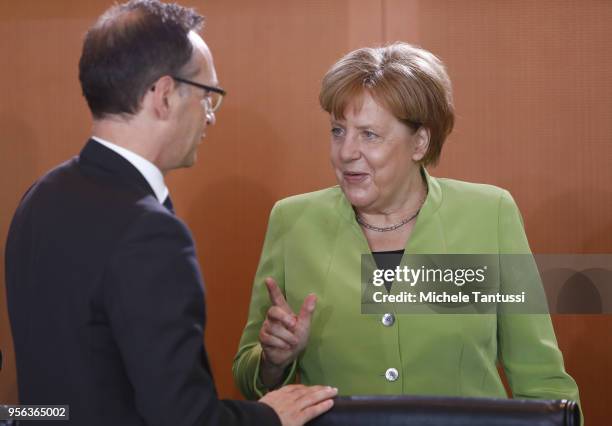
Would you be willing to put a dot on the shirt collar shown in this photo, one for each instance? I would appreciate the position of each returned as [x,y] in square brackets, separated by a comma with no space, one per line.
[148,170]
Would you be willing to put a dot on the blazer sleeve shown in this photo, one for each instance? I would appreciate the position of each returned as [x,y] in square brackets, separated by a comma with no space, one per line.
[271,264]
[527,344]
[154,299]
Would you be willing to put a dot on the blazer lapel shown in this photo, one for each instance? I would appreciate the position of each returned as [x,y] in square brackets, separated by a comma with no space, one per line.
[428,233]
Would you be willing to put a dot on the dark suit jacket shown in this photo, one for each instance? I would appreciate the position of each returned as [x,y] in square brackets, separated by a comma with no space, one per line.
[106,302]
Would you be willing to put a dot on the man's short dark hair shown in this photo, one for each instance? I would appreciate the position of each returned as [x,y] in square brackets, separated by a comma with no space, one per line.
[129,48]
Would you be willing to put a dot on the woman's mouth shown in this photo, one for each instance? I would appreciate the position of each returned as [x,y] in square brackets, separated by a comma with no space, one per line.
[354,177]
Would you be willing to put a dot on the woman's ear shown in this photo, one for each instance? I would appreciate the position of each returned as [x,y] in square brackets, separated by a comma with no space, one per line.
[421,143]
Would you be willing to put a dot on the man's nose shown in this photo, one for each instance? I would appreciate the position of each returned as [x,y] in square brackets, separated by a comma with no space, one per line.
[211,119]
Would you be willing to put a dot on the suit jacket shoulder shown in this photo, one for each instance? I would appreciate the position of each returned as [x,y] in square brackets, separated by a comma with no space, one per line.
[449,200]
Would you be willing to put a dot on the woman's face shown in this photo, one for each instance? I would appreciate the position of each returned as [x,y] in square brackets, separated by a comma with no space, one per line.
[375,156]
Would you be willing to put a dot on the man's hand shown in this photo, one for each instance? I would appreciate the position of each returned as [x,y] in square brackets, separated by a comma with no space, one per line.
[298,404]
[283,335]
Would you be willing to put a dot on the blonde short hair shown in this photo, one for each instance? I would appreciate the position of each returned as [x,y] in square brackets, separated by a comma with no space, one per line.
[409,81]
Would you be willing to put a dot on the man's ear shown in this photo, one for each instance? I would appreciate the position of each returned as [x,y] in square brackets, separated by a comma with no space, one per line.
[159,96]
[421,145]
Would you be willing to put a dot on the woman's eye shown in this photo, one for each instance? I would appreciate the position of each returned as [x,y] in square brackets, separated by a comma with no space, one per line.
[337,132]
[369,135]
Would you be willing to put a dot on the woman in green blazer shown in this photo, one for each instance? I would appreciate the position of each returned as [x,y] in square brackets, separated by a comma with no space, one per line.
[391,110]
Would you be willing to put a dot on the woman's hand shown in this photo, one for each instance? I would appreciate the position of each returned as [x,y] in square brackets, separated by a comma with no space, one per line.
[283,335]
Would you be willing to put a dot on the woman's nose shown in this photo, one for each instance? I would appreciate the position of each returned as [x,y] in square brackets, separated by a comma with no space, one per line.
[350,149]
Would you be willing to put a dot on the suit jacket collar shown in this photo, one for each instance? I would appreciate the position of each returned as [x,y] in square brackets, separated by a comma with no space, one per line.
[96,154]
[428,234]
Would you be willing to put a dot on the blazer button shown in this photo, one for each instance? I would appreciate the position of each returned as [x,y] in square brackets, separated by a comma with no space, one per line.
[391,374]
[388,320]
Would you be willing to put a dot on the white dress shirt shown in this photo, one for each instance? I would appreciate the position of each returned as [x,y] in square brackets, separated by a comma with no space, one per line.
[148,170]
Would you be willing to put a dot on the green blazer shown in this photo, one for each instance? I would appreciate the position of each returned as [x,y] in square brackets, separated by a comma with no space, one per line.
[314,245]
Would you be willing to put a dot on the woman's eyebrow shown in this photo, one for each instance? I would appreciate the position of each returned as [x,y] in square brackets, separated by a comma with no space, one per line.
[366,127]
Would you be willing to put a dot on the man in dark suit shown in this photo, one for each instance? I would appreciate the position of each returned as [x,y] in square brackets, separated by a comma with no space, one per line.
[104,290]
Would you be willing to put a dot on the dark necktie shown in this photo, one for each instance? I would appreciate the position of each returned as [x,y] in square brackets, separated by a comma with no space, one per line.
[168,204]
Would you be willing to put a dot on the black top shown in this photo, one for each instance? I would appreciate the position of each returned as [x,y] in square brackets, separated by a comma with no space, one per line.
[388,260]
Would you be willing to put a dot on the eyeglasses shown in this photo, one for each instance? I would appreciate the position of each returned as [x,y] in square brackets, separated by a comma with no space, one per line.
[214,95]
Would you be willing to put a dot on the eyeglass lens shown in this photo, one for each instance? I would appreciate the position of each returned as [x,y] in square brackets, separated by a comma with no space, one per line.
[212,101]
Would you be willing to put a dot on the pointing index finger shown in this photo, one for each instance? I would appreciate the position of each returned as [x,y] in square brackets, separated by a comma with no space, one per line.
[276,296]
